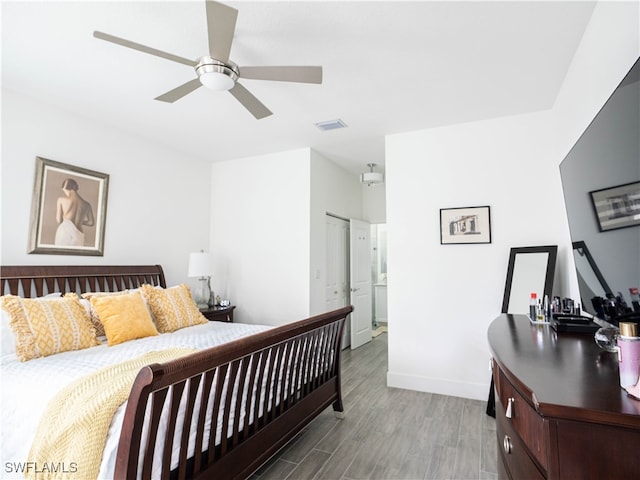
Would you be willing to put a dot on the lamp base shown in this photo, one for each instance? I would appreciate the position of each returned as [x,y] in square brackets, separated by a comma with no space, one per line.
[202,293]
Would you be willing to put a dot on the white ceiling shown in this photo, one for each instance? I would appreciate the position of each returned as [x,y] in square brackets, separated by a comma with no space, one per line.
[388,67]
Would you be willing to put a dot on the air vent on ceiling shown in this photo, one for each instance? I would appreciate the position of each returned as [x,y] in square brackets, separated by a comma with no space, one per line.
[331,125]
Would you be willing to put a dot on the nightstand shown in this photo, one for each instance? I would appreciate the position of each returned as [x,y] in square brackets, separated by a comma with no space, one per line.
[219,314]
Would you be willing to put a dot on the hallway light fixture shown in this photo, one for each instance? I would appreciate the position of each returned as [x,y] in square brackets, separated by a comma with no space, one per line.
[371,177]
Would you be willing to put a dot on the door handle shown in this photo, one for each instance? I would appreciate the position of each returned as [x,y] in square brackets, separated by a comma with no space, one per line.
[355,289]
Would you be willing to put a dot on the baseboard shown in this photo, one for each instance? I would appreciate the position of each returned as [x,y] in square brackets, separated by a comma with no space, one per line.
[474,391]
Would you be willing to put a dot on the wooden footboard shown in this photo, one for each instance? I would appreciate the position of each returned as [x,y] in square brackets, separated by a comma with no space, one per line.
[260,392]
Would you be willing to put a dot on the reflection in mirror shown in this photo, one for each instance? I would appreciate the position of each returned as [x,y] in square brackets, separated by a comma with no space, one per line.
[606,155]
[590,280]
[530,269]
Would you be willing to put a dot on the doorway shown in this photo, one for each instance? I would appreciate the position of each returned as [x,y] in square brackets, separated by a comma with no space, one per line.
[379,277]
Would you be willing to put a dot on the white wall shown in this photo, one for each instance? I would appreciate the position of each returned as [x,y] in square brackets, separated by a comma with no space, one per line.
[268,231]
[443,297]
[335,191]
[374,203]
[158,205]
[260,235]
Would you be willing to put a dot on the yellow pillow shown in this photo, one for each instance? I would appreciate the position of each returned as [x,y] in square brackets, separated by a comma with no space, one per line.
[125,317]
[44,326]
[173,308]
[95,318]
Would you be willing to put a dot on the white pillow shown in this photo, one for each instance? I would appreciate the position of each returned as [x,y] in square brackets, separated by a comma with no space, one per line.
[8,345]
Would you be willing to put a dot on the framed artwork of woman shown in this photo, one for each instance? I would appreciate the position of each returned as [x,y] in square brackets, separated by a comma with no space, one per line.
[69,209]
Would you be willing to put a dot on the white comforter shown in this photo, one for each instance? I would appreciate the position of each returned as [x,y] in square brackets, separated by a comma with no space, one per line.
[27,387]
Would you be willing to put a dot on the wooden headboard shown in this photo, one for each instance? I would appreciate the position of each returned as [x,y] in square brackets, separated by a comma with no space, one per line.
[31,281]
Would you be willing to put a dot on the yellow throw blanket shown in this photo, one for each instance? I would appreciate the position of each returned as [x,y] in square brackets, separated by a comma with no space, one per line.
[73,430]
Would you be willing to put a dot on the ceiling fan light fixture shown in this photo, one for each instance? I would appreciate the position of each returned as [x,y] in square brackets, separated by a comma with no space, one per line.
[215,71]
[216,81]
[216,75]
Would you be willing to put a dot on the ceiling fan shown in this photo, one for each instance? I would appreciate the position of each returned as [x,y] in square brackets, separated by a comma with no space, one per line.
[216,71]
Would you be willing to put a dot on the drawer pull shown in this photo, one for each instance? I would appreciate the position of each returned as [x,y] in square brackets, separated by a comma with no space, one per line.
[509,412]
[507,445]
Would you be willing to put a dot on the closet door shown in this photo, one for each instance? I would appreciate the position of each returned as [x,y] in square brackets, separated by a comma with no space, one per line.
[337,268]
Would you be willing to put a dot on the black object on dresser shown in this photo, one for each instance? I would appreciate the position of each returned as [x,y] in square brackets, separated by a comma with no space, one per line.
[560,411]
[219,314]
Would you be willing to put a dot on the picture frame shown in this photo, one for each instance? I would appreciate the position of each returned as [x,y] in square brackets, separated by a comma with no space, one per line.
[464,225]
[68,210]
[617,207]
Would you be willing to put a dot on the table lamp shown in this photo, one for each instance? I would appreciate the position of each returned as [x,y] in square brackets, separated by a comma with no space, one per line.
[201,266]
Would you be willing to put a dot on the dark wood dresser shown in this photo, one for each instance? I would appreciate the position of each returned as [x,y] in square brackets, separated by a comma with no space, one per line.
[560,411]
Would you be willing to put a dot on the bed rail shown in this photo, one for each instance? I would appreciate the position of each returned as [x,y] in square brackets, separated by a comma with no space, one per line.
[260,392]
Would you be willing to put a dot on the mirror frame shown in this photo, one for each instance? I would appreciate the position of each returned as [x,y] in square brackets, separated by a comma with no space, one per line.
[552,250]
[582,249]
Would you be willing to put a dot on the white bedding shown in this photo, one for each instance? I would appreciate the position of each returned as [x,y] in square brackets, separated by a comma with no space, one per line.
[27,387]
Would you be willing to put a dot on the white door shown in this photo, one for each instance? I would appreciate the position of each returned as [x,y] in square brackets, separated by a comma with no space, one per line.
[337,268]
[360,281]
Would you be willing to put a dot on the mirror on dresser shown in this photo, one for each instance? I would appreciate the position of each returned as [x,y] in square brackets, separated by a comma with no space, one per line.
[605,156]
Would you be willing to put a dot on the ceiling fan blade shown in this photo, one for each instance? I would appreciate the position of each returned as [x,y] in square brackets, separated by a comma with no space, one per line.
[251,103]
[179,92]
[143,48]
[283,74]
[221,25]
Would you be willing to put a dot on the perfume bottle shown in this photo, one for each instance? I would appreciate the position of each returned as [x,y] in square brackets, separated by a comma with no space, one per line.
[540,311]
[629,354]
[533,306]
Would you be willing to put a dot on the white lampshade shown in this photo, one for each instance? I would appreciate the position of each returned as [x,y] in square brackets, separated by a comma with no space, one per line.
[216,81]
[371,178]
[200,264]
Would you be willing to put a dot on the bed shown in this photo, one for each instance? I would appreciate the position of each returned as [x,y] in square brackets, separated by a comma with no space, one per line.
[217,412]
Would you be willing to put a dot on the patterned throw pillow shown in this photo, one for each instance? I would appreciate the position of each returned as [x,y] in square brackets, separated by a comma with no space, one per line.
[44,326]
[173,308]
[6,335]
[125,317]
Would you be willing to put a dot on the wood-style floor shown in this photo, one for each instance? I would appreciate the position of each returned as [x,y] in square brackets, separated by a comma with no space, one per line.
[389,433]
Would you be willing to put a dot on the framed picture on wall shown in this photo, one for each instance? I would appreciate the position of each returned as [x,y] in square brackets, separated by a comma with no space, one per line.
[465,225]
[68,210]
[617,207]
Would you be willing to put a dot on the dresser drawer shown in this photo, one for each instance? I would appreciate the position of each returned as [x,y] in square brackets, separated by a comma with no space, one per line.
[518,414]
[613,454]
[513,456]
